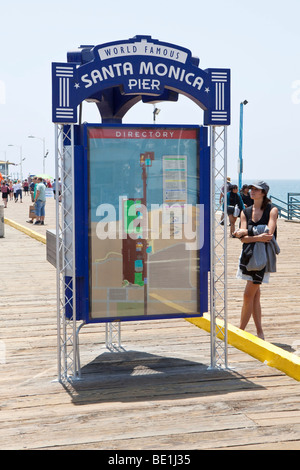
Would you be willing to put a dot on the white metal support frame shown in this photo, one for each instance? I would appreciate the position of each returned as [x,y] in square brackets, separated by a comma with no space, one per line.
[113,336]
[67,328]
[218,272]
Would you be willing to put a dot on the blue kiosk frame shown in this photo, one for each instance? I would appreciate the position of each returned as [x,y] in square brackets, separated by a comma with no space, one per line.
[116,76]
[83,228]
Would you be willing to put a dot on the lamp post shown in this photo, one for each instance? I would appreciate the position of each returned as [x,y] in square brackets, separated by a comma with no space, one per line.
[44,152]
[240,162]
[21,159]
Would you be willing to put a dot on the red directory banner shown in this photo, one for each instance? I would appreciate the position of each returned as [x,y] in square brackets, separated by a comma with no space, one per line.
[142,133]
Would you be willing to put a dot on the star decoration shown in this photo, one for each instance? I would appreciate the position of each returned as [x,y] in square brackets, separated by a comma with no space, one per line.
[77,86]
[207,90]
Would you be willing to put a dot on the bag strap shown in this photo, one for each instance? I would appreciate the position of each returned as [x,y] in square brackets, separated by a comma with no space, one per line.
[248,213]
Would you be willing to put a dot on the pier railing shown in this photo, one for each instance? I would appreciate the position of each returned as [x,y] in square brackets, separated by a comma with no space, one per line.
[288,210]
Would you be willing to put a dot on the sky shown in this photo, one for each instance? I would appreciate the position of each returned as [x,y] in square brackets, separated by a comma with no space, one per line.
[258,40]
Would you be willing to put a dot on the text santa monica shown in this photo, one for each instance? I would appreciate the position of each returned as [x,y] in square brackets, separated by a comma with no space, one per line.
[145,68]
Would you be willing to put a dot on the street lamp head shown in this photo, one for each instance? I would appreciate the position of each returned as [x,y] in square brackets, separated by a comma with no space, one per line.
[245,102]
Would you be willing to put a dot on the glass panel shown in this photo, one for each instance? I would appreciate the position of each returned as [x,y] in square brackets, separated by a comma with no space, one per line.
[143,199]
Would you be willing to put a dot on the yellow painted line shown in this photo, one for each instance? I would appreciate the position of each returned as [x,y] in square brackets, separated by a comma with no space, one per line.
[265,352]
[27,231]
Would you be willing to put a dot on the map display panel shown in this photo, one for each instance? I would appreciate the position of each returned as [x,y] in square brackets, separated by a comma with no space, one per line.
[143,222]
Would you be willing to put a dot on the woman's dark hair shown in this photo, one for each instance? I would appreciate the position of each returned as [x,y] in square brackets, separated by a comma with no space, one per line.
[266,200]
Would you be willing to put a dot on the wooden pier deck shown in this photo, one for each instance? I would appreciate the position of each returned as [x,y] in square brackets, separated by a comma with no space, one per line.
[159,393]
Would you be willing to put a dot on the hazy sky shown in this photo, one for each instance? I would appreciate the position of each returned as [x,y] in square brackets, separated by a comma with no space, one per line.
[258,40]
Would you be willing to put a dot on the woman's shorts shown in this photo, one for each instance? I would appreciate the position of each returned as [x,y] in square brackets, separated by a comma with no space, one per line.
[230,210]
[247,277]
[40,208]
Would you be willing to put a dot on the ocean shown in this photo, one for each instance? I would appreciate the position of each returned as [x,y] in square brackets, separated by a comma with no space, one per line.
[279,188]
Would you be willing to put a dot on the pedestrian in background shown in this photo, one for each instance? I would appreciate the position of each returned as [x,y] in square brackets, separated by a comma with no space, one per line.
[234,206]
[40,202]
[32,188]
[26,187]
[19,190]
[11,190]
[246,196]
[5,192]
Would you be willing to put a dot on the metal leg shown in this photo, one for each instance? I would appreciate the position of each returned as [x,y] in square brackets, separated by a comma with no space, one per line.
[113,336]
[218,273]
[67,343]
[78,367]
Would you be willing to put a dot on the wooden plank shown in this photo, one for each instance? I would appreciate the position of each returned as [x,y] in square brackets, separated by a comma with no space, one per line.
[159,393]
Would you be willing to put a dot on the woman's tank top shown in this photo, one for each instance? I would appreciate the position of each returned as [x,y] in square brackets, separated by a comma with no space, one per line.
[264,220]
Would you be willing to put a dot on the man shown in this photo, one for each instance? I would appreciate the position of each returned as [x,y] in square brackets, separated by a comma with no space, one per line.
[32,187]
[40,202]
[228,184]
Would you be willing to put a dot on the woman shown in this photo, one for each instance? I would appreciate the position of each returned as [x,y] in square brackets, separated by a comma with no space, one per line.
[26,187]
[11,191]
[5,193]
[245,196]
[233,199]
[262,212]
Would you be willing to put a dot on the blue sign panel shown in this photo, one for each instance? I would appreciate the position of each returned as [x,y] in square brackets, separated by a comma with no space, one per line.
[116,75]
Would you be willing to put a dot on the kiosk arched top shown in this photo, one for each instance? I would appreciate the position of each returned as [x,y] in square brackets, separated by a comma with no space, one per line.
[117,75]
